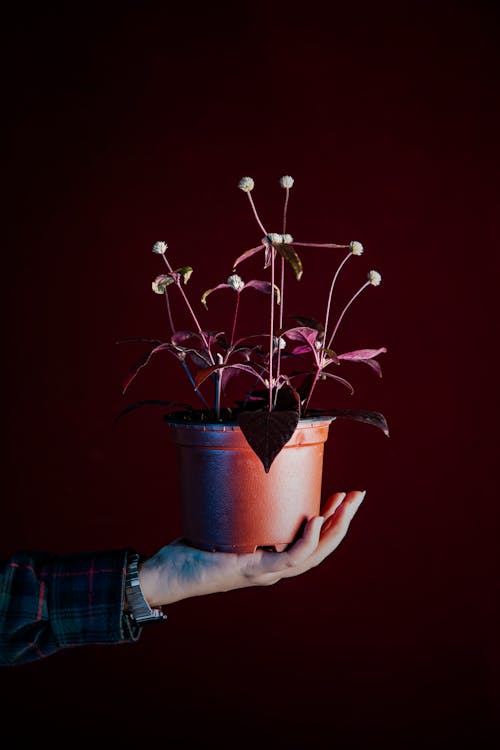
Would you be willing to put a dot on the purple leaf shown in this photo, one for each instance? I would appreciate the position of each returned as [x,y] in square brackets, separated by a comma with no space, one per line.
[362,354]
[366,356]
[247,254]
[179,337]
[268,432]
[304,334]
[263,286]
[374,418]
[205,373]
[336,377]
[143,361]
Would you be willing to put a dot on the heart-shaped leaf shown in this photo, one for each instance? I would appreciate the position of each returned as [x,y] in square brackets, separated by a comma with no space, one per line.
[268,432]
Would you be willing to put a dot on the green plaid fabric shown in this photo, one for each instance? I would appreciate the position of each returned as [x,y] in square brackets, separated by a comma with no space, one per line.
[49,602]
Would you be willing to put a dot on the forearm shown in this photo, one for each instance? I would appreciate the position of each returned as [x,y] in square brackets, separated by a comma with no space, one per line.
[49,602]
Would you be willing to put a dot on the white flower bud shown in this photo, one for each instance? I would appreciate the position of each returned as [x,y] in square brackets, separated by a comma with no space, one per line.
[374,278]
[287,239]
[160,248]
[356,248]
[236,282]
[246,184]
[286,181]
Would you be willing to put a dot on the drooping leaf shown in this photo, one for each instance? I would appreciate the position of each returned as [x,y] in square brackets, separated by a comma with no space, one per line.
[374,418]
[161,282]
[143,361]
[185,272]
[205,373]
[340,380]
[263,286]
[213,289]
[366,356]
[247,254]
[292,257]
[302,333]
[268,432]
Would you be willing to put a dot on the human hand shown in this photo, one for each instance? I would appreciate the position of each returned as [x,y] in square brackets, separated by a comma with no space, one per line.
[178,571]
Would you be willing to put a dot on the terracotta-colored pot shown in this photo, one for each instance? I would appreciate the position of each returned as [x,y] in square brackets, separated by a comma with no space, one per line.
[228,501]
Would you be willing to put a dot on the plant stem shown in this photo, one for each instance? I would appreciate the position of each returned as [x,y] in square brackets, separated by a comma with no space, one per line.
[172,327]
[316,244]
[271,332]
[311,389]
[235,316]
[367,283]
[287,194]
[178,284]
[282,291]
[197,391]
[256,214]
[327,316]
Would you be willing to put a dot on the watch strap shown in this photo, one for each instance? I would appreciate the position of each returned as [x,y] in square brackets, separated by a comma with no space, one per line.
[139,608]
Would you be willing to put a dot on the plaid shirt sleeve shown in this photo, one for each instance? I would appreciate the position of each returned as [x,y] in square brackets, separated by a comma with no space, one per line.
[49,602]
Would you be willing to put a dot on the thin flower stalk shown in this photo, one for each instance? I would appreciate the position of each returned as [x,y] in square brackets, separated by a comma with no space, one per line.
[271,332]
[318,244]
[235,316]
[330,294]
[195,319]
[367,283]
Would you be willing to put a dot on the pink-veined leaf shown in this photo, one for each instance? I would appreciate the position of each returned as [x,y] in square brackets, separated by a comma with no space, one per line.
[179,337]
[248,254]
[337,377]
[143,361]
[205,373]
[263,286]
[366,356]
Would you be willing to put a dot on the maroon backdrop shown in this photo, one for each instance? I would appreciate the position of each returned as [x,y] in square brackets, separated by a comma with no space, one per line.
[134,123]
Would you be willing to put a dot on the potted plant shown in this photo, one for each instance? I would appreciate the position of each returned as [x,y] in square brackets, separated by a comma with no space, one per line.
[251,470]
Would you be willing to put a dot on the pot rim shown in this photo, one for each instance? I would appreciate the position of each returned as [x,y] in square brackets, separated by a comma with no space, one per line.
[179,421]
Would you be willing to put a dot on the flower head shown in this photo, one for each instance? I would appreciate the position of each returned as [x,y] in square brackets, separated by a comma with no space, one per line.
[374,278]
[286,181]
[356,248]
[274,238]
[246,184]
[236,282]
[160,248]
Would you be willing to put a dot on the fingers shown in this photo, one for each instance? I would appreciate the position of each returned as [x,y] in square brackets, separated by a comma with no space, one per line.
[338,522]
[298,554]
[332,503]
[332,532]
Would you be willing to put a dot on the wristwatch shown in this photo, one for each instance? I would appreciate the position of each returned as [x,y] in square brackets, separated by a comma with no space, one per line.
[139,609]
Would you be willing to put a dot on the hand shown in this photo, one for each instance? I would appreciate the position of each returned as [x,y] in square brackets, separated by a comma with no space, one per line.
[178,571]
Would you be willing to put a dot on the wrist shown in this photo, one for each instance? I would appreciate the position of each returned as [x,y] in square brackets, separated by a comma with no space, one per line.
[138,602]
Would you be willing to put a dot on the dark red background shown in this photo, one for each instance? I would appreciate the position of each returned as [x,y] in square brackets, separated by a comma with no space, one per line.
[134,123]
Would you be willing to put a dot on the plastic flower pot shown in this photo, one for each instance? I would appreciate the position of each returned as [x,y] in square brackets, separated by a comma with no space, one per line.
[229,503]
